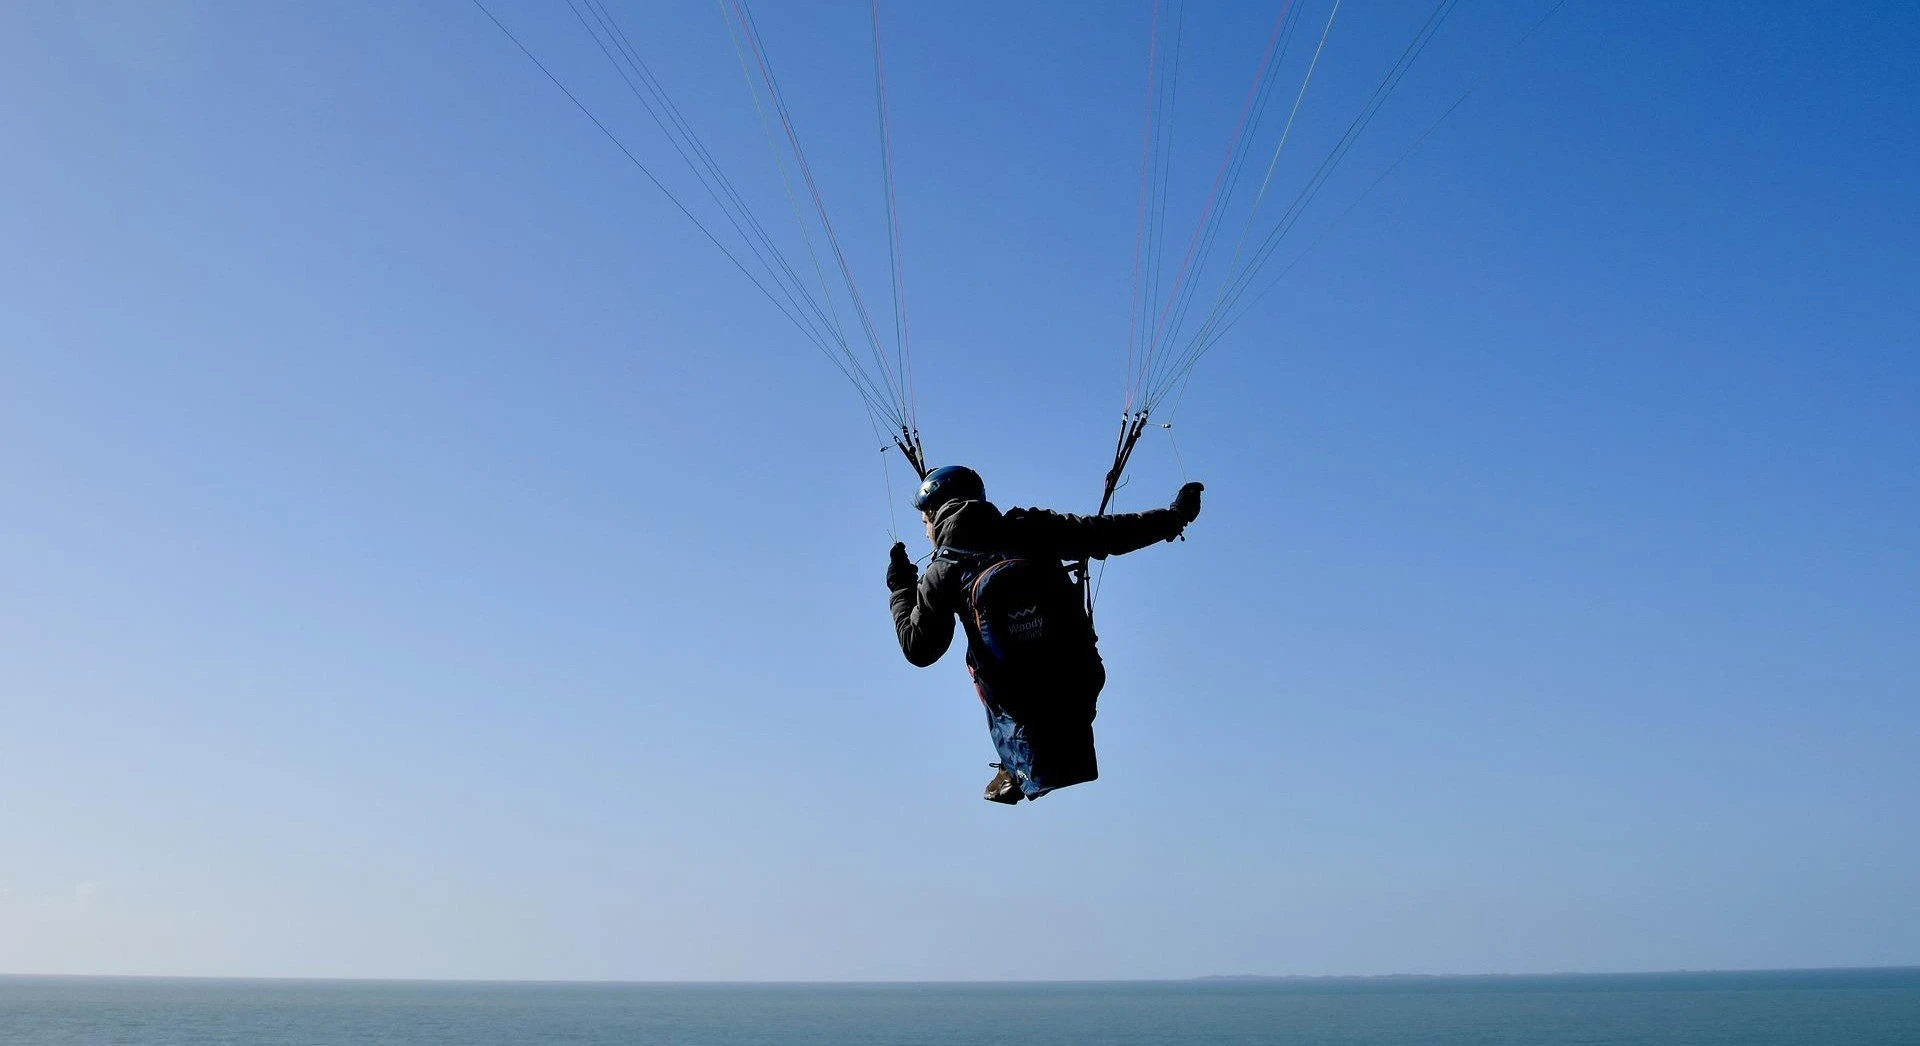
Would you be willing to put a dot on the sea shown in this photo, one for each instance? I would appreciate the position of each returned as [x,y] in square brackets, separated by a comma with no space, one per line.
[1878,1007]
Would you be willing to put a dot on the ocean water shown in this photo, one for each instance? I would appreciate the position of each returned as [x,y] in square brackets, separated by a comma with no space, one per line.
[1813,1008]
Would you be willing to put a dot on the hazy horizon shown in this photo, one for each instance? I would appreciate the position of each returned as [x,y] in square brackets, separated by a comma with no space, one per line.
[1404,975]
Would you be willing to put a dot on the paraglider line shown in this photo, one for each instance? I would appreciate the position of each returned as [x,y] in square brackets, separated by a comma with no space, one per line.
[867,398]
[1213,193]
[750,31]
[1240,281]
[903,345]
[712,174]
[1140,217]
[1213,337]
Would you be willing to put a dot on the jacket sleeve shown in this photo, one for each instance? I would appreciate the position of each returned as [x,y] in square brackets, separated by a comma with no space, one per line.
[922,619]
[1094,537]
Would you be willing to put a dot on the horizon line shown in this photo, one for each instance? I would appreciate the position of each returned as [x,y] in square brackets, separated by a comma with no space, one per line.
[823,982]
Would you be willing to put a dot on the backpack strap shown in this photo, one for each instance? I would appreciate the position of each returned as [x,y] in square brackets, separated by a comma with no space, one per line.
[956,555]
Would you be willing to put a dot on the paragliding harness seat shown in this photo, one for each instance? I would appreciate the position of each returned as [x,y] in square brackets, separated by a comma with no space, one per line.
[1032,655]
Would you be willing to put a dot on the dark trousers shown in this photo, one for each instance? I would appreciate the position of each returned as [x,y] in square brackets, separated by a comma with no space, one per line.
[1044,734]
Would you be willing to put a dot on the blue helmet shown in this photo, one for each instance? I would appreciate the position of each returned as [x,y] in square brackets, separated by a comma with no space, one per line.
[949,483]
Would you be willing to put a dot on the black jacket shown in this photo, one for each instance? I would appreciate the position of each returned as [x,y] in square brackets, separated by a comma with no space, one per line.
[923,614]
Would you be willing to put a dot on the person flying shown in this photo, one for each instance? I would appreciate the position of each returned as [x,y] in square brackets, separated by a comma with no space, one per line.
[1031,649]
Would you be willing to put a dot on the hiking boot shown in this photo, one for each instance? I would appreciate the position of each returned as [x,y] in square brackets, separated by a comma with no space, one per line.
[1003,789]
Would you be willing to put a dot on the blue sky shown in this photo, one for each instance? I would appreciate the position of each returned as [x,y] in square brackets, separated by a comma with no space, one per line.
[426,557]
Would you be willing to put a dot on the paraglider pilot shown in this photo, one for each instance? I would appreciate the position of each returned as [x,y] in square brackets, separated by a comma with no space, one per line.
[1031,649]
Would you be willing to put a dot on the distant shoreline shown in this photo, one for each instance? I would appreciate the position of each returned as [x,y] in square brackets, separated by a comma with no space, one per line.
[1734,972]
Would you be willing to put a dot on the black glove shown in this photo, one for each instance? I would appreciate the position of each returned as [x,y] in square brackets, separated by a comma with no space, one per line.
[901,573]
[1186,504]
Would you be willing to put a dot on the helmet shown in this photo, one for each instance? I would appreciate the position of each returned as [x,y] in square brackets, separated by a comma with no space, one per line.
[949,483]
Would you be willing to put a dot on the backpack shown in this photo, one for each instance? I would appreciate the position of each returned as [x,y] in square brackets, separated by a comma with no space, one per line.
[1025,617]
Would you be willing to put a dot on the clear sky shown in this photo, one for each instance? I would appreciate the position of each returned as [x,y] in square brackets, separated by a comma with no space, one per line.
[422,555]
